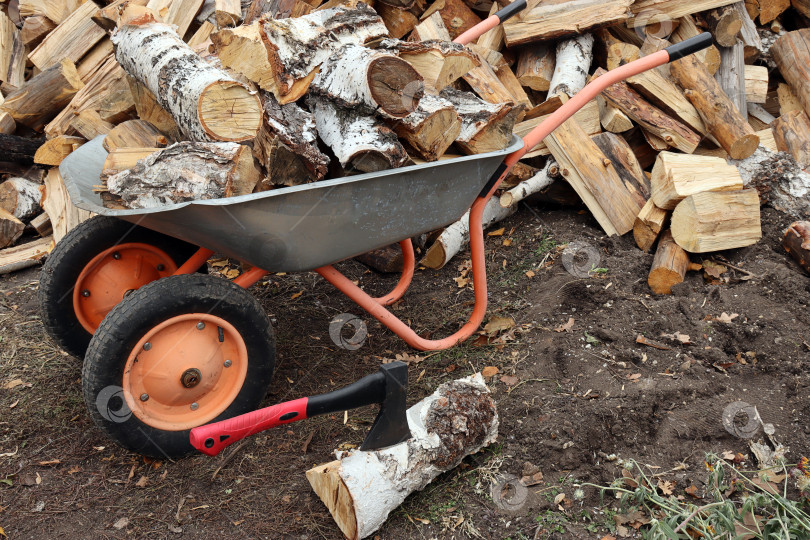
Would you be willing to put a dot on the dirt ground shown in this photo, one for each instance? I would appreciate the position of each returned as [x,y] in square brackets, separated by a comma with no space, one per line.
[576,394]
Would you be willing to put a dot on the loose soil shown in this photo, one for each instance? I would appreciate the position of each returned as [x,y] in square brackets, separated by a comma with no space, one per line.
[575,398]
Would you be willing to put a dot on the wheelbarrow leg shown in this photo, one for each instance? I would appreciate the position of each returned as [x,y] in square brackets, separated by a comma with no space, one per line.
[195,262]
[408,267]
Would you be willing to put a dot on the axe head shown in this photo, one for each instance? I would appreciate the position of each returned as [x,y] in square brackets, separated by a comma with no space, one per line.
[391,425]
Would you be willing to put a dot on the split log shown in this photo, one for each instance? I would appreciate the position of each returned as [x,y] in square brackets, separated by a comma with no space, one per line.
[791,52]
[89,125]
[25,255]
[74,36]
[485,82]
[709,57]
[748,33]
[430,29]
[627,166]
[731,75]
[122,159]
[276,9]
[457,17]
[519,173]
[241,49]
[12,53]
[134,134]
[723,121]
[11,228]
[44,95]
[717,220]
[492,39]
[55,10]
[180,13]
[207,103]
[7,123]
[202,35]
[42,224]
[649,117]
[360,489]
[287,146]
[756,84]
[20,197]
[797,243]
[802,6]
[587,117]
[760,115]
[594,178]
[360,142]
[186,171]
[374,80]
[535,66]
[612,118]
[788,102]
[56,203]
[724,23]
[295,48]
[399,22]
[551,20]
[535,184]
[780,180]
[35,29]
[386,260]
[643,10]
[677,176]
[431,128]
[792,134]
[649,224]
[55,150]
[768,10]
[439,63]
[574,57]
[485,127]
[149,110]
[504,74]
[19,149]
[93,60]
[669,265]
[228,13]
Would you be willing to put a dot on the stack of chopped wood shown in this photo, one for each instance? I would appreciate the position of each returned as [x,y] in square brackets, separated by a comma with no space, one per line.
[214,98]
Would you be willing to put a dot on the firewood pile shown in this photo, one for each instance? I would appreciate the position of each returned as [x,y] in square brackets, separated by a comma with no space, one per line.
[201,99]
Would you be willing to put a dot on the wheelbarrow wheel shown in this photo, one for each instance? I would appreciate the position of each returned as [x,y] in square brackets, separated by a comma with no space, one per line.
[176,354]
[93,267]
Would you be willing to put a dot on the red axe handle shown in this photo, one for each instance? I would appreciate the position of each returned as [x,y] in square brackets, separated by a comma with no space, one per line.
[211,439]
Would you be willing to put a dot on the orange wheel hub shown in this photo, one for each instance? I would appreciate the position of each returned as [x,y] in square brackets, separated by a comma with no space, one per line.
[112,274]
[185,372]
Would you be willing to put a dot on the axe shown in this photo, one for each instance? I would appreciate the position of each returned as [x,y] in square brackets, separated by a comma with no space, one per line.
[386,387]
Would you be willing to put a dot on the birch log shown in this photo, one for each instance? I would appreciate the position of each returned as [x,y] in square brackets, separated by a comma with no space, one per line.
[361,489]
[360,142]
[781,181]
[207,103]
[535,184]
[485,127]
[297,47]
[186,171]
[574,57]
[431,128]
[377,81]
[20,198]
[439,63]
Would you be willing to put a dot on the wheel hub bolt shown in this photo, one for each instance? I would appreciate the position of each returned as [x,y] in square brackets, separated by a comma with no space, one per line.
[228,363]
[194,406]
[117,256]
[147,346]
[144,397]
[200,325]
[86,293]
[191,378]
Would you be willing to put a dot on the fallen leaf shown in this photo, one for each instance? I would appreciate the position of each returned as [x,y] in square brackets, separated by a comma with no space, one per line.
[499,232]
[498,324]
[566,327]
[231,274]
[677,336]
[409,358]
[296,295]
[10,385]
[14,404]
[650,343]
[727,455]
[38,481]
[462,281]
[726,318]
[770,487]
[712,269]
[99,448]
[666,486]
[608,537]
[530,274]
[141,483]
[559,498]
[630,480]
[121,523]
[305,446]
[533,480]
[507,242]
[509,380]
[692,492]
[489,372]
[3,533]
[633,377]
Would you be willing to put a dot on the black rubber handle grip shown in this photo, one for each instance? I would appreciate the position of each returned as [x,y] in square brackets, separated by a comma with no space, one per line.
[690,46]
[511,10]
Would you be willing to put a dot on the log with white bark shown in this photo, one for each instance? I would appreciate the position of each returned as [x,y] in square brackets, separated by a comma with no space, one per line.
[20,197]
[207,103]
[361,489]
[535,184]
[485,127]
[731,75]
[380,82]
[186,171]
[431,128]
[297,47]
[782,182]
[574,57]
[287,145]
[360,142]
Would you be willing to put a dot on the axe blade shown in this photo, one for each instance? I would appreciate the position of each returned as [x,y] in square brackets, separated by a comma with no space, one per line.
[391,425]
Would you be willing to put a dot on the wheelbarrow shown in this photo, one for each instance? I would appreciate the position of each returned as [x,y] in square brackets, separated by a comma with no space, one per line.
[168,348]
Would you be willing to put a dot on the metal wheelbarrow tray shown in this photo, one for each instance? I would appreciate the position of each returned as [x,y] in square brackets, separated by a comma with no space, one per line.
[308,226]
